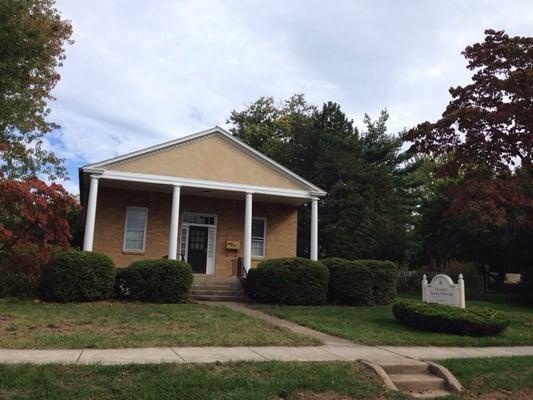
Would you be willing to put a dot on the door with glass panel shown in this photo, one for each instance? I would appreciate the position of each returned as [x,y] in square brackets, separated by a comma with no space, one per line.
[197,252]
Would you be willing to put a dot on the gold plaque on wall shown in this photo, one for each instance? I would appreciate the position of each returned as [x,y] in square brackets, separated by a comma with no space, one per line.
[233,245]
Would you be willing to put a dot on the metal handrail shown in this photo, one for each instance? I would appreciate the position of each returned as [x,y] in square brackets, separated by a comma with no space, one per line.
[241,269]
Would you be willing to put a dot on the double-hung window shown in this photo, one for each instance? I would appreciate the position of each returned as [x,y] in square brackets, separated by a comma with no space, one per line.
[135,228]
[258,237]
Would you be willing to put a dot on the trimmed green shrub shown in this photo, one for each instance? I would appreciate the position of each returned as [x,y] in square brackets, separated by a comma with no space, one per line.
[19,285]
[384,275]
[293,281]
[21,272]
[250,284]
[471,321]
[361,282]
[156,281]
[79,276]
[349,282]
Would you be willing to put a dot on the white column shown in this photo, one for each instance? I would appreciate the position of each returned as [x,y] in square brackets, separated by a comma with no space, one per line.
[90,215]
[424,288]
[461,284]
[247,245]
[174,222]
[314,230]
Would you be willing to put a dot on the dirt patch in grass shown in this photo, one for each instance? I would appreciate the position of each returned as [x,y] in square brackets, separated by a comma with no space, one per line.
[319,396]
[525,394]
[5,318]
[329,395]
[38,325]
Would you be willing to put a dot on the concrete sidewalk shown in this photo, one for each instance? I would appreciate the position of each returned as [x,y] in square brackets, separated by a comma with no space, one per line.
[226,354]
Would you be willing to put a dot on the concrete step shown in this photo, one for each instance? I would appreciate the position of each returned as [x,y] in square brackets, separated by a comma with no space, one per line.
[216,281]
[395,367]
[223,292]
[216,286]
[432,394]
[212,297]
[203,278]
[418,383]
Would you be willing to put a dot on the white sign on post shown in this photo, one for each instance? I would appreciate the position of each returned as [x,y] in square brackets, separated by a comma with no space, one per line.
[442,290]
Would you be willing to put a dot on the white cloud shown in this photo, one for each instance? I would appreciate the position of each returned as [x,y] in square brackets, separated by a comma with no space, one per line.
[144,72]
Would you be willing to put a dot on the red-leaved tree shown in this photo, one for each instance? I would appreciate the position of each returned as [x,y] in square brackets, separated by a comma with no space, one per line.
[489,123]
[33,214]
[484,143]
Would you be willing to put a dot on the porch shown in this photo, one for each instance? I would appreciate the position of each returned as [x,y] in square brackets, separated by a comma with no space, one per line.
[210,224]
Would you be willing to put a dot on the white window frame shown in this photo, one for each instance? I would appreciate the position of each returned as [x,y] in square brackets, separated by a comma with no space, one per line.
[124,249]
[264,237]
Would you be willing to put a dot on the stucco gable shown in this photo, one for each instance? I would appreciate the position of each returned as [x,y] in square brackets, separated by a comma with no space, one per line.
[211,157]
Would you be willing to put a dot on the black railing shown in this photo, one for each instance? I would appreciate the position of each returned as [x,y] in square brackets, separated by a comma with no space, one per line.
[241,270]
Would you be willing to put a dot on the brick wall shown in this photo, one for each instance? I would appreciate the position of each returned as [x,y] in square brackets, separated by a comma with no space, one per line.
[111,213]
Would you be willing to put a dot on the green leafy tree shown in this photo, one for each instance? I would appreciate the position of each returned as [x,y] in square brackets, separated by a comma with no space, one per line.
[32,36]
[365,213]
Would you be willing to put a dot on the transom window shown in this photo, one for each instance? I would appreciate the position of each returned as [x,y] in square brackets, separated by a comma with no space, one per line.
[192,218]
[258,236]
[135,228]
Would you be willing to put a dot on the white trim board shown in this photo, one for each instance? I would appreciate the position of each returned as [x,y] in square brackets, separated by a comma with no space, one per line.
[202,184]
[216,130]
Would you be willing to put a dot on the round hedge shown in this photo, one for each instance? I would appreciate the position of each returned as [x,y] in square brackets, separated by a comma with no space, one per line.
[294,281]
[79,276]
[471,321]
[156,281]
[361,282]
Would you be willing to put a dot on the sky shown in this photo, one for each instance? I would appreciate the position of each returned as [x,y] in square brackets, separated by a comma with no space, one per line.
[144,72]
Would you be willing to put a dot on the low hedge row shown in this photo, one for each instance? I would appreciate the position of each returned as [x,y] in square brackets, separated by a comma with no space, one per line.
[471,321]
[88,276]
[294,281]
[157,281]
[361,282]
[305,282]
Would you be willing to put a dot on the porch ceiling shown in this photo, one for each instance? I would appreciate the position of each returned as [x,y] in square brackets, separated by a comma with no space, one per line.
[194,191]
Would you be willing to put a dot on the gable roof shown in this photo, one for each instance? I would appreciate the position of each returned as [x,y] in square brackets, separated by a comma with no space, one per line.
[102,165]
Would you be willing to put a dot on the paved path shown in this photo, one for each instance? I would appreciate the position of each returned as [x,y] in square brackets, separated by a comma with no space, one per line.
[333,349]
[323,337]
[225,354]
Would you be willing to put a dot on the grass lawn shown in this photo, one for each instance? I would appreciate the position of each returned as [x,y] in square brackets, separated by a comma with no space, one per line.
[377,326]
[29,324]
[264,380]
[494,378]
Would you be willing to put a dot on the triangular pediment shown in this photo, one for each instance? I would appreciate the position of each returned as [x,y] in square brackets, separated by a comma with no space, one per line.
[213,156]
